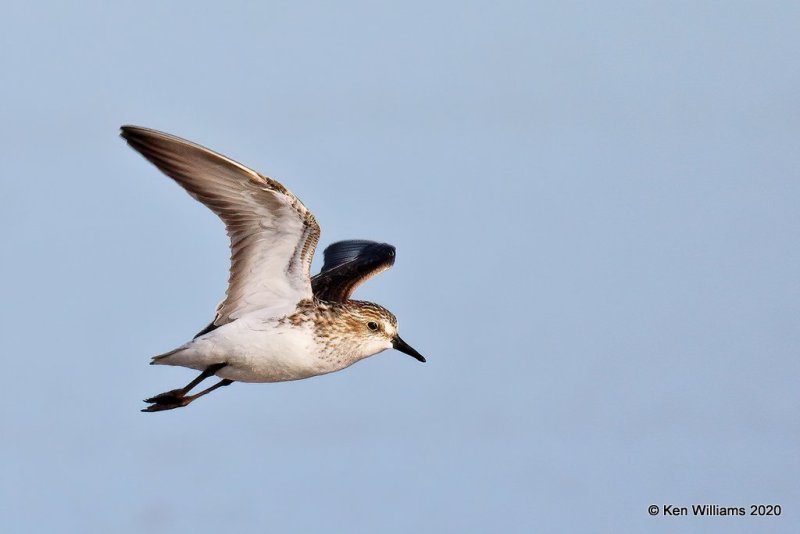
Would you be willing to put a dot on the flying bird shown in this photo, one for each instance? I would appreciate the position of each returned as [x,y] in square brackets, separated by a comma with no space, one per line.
[276,322]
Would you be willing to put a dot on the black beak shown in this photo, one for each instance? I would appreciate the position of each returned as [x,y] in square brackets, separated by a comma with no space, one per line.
[402,346]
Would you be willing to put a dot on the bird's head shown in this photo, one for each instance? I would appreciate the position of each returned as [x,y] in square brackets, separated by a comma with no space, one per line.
[376,328]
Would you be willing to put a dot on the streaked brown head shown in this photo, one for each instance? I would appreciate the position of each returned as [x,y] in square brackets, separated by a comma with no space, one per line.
[372,328]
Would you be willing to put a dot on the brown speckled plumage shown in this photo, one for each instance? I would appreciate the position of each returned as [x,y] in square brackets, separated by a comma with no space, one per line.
[332,318]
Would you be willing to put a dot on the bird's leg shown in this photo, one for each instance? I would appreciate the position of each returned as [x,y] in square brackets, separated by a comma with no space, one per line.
[180,402]
[176,398]
[181,392]
[221,383]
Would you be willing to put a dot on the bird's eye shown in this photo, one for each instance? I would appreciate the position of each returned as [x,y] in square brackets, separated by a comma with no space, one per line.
[372,325]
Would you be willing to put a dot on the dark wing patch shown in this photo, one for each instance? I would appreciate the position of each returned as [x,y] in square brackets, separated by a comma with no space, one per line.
[346,251]
[348,264]
[211,326]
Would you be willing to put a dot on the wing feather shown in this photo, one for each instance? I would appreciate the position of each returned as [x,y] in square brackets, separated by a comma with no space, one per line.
[348,264]
[273,235]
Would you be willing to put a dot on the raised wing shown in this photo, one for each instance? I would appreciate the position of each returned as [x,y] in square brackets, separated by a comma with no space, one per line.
[273,235]
[348,264]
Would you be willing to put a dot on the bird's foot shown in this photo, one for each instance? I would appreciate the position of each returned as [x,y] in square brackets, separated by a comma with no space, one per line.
[169,400]
[167,396]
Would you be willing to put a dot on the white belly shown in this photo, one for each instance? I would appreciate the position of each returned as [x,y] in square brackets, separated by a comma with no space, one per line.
[258,351]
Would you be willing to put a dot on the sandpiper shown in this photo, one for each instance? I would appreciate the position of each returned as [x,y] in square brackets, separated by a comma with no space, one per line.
[276,322]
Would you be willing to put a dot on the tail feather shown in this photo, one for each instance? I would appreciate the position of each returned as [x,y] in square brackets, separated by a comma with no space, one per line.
[193,355]
[159,360]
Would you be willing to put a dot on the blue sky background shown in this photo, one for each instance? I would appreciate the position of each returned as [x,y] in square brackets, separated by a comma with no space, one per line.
[595,207]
